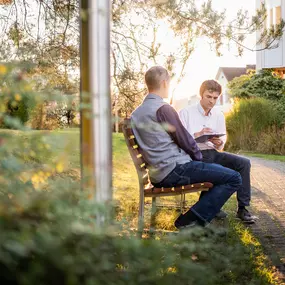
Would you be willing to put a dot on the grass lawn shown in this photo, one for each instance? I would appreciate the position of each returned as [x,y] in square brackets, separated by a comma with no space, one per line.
[65,143]
[265,156]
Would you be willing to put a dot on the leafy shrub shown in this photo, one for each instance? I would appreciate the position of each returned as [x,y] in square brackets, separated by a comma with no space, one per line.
[18,110]
[19,104]
[52,238]
[272,141]
[248,120]
[62,113]
[236,85]
[17,97]
[37,117]
[280,107]
[264,84]
[53,115]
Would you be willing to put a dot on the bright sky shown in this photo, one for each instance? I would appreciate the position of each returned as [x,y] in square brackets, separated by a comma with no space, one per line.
[204,63]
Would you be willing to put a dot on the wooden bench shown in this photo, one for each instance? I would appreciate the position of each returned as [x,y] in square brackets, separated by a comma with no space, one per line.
[145,187]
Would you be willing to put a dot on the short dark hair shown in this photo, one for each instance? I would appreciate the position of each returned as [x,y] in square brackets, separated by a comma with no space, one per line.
[211,86]
[154,76]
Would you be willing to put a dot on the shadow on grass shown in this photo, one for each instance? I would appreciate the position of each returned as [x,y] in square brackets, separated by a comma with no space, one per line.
[270,230]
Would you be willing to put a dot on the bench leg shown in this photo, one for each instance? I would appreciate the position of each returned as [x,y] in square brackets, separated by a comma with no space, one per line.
[153,212]
[184,201]
[181,203]
[141,215]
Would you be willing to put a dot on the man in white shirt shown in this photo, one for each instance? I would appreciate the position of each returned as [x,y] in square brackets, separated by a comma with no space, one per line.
[202,119]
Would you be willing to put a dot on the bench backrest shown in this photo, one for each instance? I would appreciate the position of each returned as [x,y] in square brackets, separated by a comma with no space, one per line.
[136,155]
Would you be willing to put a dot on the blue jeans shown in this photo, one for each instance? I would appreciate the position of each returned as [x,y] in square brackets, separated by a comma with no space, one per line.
[226,181]
[237,163]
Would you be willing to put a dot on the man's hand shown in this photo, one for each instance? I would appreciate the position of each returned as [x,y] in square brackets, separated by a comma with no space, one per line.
[202,132]
[216,141]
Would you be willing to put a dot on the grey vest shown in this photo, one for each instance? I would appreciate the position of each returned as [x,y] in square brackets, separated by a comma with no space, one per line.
[159,151]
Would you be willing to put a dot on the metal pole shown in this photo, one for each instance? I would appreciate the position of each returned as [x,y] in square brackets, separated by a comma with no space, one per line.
[96,131]
[99,52]
[86,131]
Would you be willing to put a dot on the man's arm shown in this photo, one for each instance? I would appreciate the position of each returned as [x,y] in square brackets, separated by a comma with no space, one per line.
[166,114]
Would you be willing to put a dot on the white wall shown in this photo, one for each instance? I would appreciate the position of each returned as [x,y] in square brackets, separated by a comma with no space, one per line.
[223,81]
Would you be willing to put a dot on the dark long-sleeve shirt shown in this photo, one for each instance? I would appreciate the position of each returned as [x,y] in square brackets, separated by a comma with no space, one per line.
[163,141]
[167,115]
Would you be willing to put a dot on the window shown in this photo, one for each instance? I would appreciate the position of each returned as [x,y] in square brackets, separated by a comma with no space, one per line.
[5,2]
[274,13]
[278,15]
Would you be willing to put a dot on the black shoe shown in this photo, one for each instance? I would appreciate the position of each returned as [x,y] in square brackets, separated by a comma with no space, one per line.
[191,225]
[185,221]
[221,215]
[180,224]
[245,216]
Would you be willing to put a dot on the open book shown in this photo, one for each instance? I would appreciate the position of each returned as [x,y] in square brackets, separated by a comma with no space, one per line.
[205,137]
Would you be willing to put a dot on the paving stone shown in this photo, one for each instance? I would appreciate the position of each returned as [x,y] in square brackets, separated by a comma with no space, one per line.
[268,202]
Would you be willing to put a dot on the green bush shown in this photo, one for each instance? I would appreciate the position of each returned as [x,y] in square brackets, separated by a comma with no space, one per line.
[248,120]
[52,238]
[236,85]
[20,105]
[264,84]
[18,110]
[272,141]
[49,117]
[17,97]
[280,107]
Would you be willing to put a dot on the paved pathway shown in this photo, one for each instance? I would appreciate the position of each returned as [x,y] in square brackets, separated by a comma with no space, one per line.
[268,202]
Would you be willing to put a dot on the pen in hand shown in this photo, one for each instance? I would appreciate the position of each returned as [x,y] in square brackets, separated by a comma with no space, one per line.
[206,129]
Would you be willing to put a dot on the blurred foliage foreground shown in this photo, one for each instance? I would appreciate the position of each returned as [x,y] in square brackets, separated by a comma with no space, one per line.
[49,234]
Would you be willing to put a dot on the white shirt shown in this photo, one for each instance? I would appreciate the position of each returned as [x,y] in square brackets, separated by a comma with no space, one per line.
[194,120]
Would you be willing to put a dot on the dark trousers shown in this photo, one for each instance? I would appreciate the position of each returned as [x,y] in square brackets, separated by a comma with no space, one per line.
[237,163]
[225,180]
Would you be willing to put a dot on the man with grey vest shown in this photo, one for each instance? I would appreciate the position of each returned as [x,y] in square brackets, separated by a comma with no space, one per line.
[173,156]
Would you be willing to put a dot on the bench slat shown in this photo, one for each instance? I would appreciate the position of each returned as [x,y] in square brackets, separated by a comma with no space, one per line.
[132,142]
[129,132]
[179,189]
